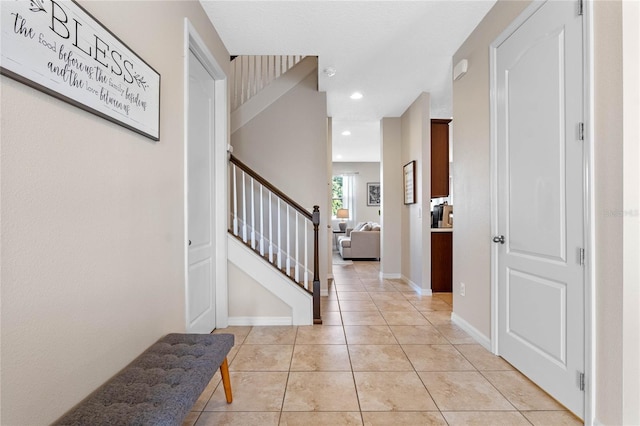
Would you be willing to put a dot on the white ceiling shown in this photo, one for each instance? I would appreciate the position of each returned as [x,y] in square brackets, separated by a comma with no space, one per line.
[390,51]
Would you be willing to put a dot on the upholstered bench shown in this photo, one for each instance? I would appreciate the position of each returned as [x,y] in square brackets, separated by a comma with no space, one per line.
[160,386]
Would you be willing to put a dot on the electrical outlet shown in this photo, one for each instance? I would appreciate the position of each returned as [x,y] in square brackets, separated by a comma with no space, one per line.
[462,289]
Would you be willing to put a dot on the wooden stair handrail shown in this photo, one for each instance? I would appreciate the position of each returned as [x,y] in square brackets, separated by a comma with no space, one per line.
[248,170]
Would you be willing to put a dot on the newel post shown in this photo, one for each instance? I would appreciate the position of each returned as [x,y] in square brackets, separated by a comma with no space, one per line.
[317,319]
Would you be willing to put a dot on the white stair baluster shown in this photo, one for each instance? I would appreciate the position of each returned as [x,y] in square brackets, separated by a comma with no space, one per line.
[279,237]
[261,222]
[235,78]
[272,68]
[235,201]
[244,207]
[306,256]
[243,79]
[254,89]
[296,257]
[253,216]
[288,263]
[270,229]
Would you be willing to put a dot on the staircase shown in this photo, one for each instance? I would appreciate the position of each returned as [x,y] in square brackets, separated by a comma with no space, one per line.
[280,233]
[272,238]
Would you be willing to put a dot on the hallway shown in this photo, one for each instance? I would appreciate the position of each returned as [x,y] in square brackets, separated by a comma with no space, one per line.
[384,356]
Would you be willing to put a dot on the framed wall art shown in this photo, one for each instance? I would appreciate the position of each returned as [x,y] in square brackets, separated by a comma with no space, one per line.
[409,172]
[373,193]
[57,47]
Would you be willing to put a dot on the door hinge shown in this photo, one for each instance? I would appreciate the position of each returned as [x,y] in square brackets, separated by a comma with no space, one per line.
[581,131]
[580,7]
[581,256]
[581,380]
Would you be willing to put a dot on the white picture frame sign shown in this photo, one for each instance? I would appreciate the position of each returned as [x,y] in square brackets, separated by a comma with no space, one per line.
[409,174]
[57,47]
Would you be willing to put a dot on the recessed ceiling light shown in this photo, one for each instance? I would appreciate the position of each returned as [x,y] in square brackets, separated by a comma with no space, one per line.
[339,157]
[356,95]
[346,133]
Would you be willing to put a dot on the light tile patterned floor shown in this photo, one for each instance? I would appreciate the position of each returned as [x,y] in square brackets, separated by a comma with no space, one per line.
[383,356]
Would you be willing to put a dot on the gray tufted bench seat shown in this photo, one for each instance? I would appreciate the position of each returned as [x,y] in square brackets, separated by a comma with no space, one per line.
[160,386]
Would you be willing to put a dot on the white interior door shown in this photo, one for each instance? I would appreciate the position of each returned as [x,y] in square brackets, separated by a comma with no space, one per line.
[540,169]
[201,313]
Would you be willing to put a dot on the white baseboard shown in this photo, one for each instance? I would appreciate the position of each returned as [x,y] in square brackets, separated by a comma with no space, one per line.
[244,321]
[325,291]
[472,331]
[391,276]
[421,291]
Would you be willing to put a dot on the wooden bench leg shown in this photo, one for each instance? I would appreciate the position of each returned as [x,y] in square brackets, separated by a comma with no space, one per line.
[226,381]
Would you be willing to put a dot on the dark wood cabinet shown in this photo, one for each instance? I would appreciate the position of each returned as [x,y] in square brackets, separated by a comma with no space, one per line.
[441,262]
[440,158]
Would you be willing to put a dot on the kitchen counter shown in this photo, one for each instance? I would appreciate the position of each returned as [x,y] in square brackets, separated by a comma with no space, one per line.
[441,229]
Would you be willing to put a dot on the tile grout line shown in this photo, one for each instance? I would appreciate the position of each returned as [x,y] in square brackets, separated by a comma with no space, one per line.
[353,375]
[286,383]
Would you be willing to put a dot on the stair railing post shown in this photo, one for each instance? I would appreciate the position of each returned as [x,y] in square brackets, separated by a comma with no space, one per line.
[317,318]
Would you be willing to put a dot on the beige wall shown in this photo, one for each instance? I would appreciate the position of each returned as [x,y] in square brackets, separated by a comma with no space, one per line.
[631,205]
[472,191]
[287,145]
[366,172]
[329,196]
[471,178]
[416,145]
[252,301]
[392,197]
[92,225]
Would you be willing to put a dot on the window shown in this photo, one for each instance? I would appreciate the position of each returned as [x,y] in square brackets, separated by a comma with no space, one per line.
[337,194]
[342,195]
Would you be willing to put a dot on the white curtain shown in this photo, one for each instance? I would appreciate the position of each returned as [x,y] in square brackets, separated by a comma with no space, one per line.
[348,197]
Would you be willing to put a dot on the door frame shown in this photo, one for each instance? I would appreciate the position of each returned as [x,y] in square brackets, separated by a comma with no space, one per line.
[588,208]
[194,43]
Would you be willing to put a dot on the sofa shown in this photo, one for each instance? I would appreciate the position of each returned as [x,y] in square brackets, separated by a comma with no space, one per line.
[361,242]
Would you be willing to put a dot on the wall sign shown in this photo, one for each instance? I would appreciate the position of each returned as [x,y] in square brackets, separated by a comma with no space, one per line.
[57,47]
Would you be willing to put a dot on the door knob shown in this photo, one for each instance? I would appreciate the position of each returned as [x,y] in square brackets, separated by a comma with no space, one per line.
[499,239]
[189,242]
